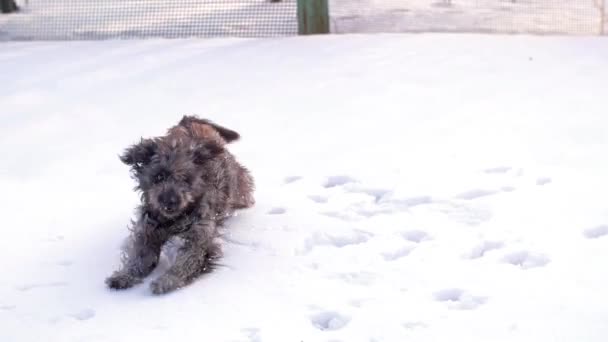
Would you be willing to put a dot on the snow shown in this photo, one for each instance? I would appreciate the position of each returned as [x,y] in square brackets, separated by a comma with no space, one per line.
[409,187]
[580,17]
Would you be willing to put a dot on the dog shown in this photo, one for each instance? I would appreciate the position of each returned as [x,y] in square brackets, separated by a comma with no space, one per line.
[189,184]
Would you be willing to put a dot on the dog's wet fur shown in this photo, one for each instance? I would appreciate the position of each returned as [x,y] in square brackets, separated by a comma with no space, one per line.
[189,183]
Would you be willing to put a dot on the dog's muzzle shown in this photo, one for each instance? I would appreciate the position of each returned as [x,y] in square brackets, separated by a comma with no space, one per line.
[169,201]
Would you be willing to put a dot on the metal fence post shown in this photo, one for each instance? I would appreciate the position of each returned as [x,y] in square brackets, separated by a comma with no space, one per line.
[601,7]
[313,16]
[8,6]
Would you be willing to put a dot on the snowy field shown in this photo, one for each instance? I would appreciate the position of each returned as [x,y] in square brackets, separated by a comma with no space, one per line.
[78,19]
[580,17]
[409,188]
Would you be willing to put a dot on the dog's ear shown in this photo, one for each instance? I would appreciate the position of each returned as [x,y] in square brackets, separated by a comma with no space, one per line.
[203,152]
[227,134]
[140,154]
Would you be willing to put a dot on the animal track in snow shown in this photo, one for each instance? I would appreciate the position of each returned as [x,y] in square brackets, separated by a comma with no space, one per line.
[467,214]
[414,325]
[399,204]
[291,179]
[235,241]
[381,206]
[596,232]
[499,169]
[32,286]
[507,188]
[398,253]
[277,211]
[339,215]
[448,295]
[354,238]
[526,260]
[318,198]
[333,181]
[84,315]
[376,193]
[543,180]
[7,307]
[459,299]
[253,334]
[329,320]
[486,246]
[65,263]
[475,193]
[416,236]
[413,201]
[356,278]
[336,240]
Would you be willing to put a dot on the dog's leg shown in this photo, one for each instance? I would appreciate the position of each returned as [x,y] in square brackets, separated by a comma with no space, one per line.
[194,258]
[140,257]
[244,191]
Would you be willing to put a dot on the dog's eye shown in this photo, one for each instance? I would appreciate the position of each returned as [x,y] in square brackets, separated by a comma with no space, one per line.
[160,177]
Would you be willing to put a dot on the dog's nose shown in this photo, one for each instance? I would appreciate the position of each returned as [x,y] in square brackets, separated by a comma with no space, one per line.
[169,201]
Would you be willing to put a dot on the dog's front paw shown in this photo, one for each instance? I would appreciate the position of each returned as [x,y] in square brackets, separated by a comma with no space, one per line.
[165,284]
[122,281]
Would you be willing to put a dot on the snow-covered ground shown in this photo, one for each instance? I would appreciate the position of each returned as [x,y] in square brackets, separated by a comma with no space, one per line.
[78,19]
[580,17]
[409,188]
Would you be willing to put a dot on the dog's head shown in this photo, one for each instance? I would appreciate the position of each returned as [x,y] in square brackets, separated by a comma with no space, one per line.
[171,174]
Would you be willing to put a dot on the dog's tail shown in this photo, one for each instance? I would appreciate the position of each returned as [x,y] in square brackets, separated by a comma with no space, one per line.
[199,127]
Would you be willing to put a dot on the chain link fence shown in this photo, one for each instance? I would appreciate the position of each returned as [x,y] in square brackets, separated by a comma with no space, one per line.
[107,19]
[124,19]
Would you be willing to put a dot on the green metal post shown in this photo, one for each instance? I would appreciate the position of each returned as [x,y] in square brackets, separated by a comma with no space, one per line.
[8,6]
[313,16]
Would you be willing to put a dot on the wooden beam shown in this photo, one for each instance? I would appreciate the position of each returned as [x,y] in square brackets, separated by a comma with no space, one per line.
[313,16]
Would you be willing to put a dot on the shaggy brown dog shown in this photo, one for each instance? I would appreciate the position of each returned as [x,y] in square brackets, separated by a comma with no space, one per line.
[190,184]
